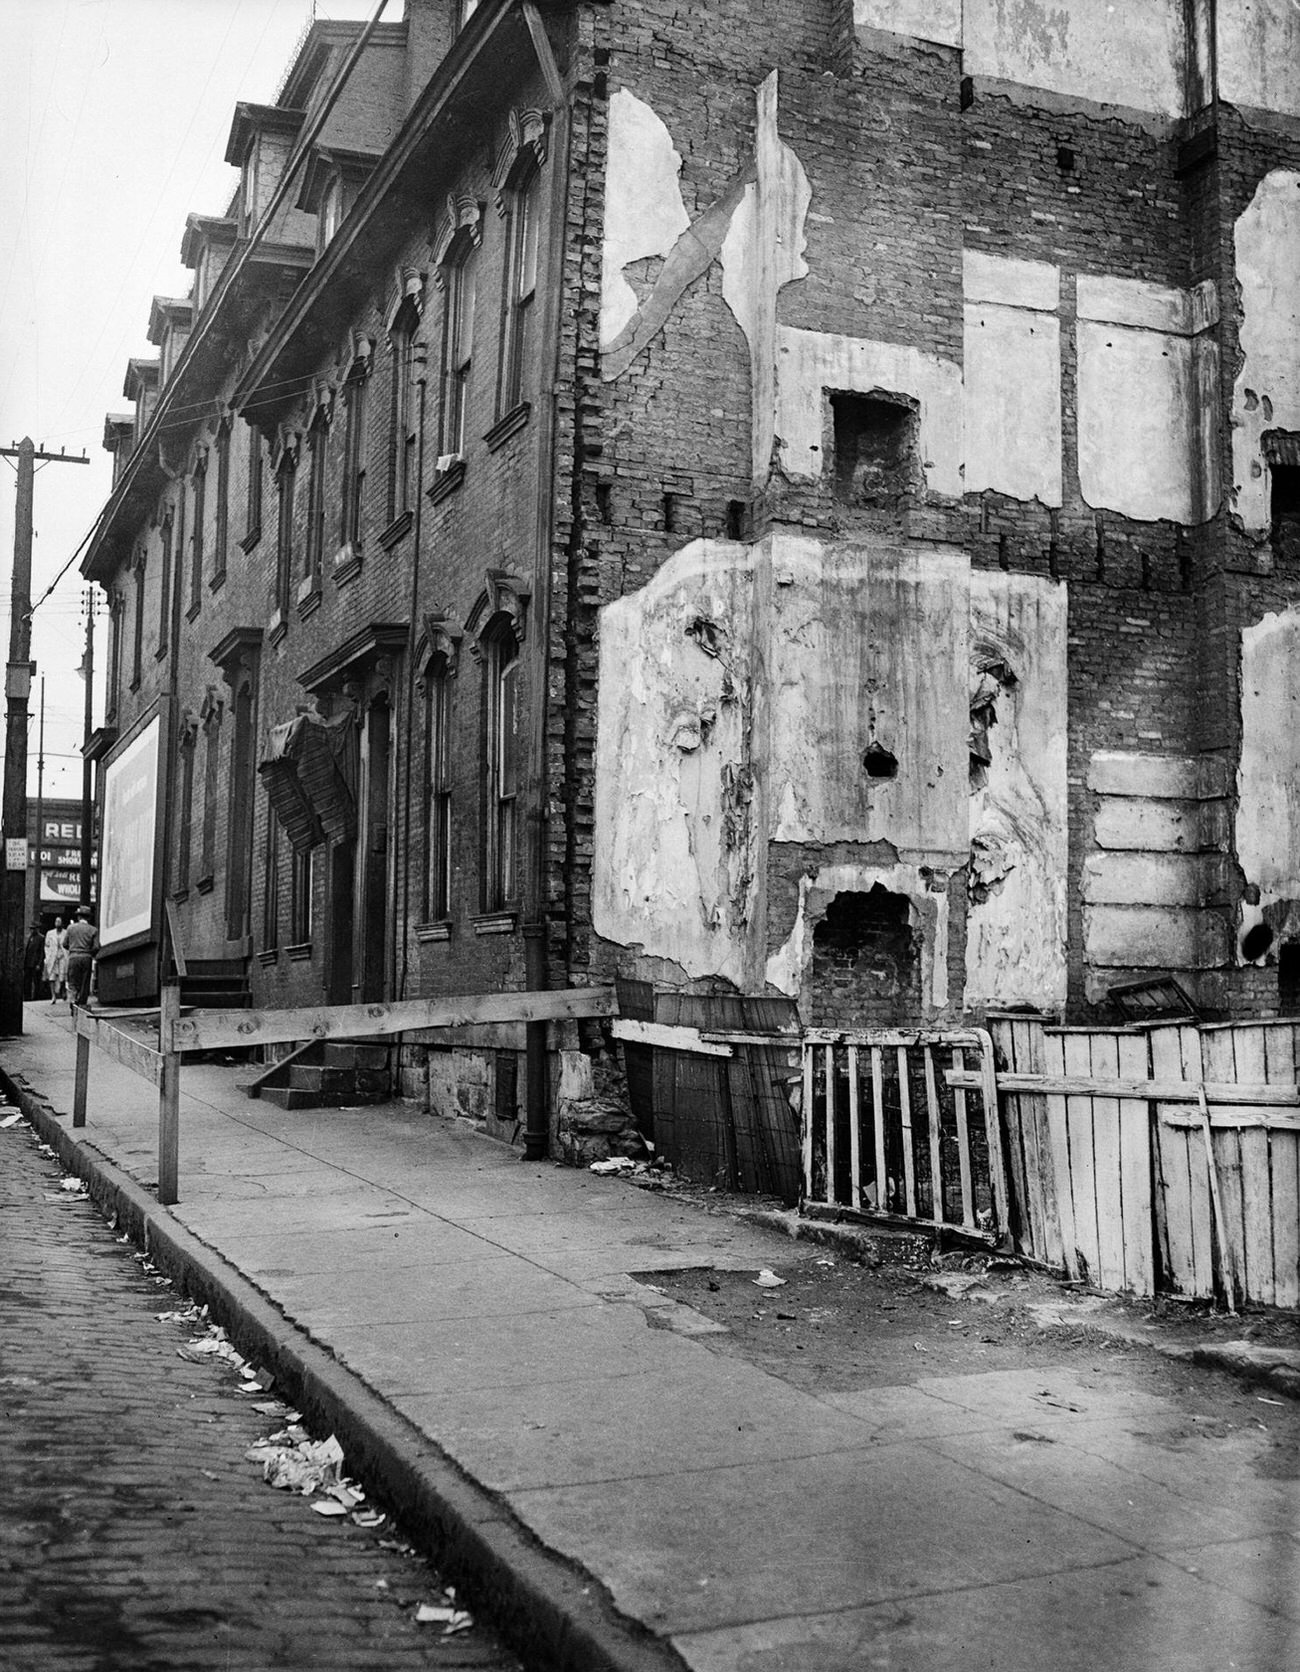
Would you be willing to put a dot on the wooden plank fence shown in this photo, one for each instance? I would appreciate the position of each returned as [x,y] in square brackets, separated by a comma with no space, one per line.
[1159,1158]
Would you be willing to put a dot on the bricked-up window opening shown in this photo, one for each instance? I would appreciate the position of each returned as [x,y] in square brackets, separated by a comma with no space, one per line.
[1288,978]
[458,344]
[437,698]
[137,649]
[221,533]
[164,584]
[878,762]
[302,888]
[284,486]
[736,518]
[271,886]
[502,669]
[401,458]
[866,966]
[521,291]
[1286,510]
[317,441]
[199,534]
[670,513]
[875,452]
[354,457]
[256,467]
[506,1087]
[185,823]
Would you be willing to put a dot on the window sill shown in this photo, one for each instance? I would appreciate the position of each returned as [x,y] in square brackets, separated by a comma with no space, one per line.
[309,601]
[270,956]
[505,427]
[276,628]
[134,686]
[251,538]
[496,922]
[160,655]
[446,482]
[346,565]
[206,884]
[433,931]
[192,611]
[180,895]
[397,530]
[217,582]
[298,954]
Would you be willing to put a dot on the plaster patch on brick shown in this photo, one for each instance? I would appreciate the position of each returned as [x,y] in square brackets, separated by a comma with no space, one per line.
[1258,51]
[1148,399]
[927,20]
[1266,395]
[811,363]
[1019,825]
[788,966]
[1013,402]
[1267,828]
[644,212]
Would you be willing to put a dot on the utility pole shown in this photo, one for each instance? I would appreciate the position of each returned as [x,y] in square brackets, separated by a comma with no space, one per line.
[40,803]
[87,807]
[18,690]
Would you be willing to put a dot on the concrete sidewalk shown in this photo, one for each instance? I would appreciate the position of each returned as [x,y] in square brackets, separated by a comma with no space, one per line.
[473,1329]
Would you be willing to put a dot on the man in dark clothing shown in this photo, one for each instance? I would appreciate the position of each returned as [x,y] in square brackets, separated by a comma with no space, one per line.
[34,963]
[81,942]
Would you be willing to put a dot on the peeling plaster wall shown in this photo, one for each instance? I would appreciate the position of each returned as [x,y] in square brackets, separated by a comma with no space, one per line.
[1148,399]
[1012,358]
[1267,391]
[1019,830]
[1259,54]
[1122,52]
[739,691]
[1268,778]
[928,20]
[811,362]
[644,212]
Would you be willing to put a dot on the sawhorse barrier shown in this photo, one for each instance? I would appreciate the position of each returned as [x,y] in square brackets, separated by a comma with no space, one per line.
[185,1033]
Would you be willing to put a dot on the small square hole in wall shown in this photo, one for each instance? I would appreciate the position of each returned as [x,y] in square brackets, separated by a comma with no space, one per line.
[1065,159]
[875,452]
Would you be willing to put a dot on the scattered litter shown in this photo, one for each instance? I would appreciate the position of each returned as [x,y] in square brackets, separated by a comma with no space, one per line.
[11,1120]
[251,1387]
[769,1280]
[294,1463]
[369,1517]
[209,1475]
[70,1181]
[615,1164]
[428,1614]
[190,1314]
[1264,1401]
[399,1545]
[328,1506]
[272,1408]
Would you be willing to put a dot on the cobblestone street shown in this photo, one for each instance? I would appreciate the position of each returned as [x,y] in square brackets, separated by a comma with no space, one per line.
[135,1533]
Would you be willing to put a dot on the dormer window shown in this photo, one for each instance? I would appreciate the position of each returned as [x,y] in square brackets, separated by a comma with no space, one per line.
[331,211]
[261,138]
[330,183]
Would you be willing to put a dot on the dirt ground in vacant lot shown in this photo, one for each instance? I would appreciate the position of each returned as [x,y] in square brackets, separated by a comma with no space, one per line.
[836,1325]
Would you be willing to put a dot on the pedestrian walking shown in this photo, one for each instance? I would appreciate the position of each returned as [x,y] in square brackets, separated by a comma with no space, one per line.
[56,961]
[81,942]
[34,963]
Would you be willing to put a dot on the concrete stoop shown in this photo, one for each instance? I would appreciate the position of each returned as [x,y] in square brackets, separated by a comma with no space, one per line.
[327,1075]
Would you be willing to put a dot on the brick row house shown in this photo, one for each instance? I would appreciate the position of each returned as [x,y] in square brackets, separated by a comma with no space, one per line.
[763,502]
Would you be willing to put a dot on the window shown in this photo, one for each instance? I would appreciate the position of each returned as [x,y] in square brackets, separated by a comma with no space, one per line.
[521,291]
[271,886]
[354,456]
[164,583]
[137,650]
[240,824]
[462,286]
[876,466]
[211,792]
[437,904]
[303,883]
[198,537]
[256,466]
[116,610]
[284,486]
[1285,507]
[221,534]
[185,822]
[317,439]
[501,662]
[331,210]
[401,472]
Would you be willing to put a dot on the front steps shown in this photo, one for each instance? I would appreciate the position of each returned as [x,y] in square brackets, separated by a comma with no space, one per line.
[327,1075]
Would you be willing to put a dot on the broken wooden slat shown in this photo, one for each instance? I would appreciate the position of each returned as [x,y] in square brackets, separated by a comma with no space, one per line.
[206,1030]
[808,1122]
[668,1037]
[1083,1173]
[1256,1180]
[123,1047]
[1040,1185]
[1058,1128]
[1162,1090]
[1108,1193]
[1284,1157]
[1135,1163]
[829,1070]
[1198,1176]
[963,1147]
[878,1116]
[936,1151]
[855,1134]
[1173,1175]
[905,1109]
[1223,1154]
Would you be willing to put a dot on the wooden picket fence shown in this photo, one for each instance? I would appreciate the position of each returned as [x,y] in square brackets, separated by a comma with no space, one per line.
[1157,1159]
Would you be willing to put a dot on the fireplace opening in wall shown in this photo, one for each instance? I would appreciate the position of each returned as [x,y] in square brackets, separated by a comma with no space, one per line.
[875,451]
[866,961]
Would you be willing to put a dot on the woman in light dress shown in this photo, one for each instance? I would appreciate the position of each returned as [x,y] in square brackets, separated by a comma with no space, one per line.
[56,961]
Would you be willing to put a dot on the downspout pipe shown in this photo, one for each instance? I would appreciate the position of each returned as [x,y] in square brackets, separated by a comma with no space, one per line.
[421,352]
[536,971]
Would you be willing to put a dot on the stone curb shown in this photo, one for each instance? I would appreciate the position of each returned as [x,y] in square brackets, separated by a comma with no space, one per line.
[549,1610]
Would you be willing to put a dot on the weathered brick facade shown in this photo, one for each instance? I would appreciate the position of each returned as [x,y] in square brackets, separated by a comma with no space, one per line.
[859,391]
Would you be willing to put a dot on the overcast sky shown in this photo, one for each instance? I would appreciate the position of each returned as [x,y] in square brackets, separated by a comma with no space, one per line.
[114,116]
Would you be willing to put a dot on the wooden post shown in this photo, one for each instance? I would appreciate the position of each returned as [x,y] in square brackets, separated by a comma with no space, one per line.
[82,1084]
[169,1096]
